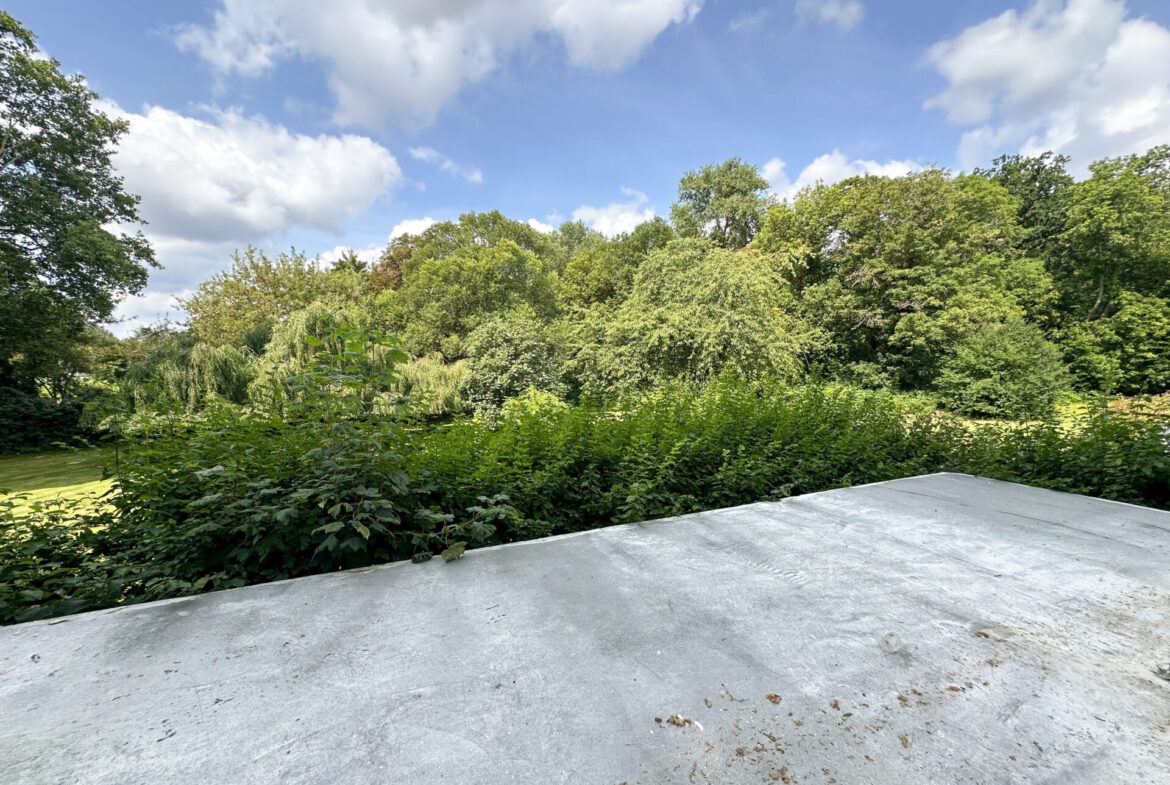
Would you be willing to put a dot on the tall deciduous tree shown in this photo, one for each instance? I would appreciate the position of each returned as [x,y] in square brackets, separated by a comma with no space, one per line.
[723,202]
[483,229]
[386,272]
[603,272]
[443,299]
[694,312]
[1040,183]
[59,264]
[1116,236]
[896,270]
[259,288]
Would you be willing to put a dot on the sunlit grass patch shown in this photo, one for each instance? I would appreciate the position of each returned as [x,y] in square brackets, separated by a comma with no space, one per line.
[47,476]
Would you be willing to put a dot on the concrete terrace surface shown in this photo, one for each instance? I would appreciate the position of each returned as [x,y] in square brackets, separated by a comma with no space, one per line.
[1028,625]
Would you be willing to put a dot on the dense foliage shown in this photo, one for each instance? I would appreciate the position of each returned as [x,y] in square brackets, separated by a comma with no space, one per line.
[748,349]
[348,477]
[34,422]
[60,266]
[1004,369]
[994,292]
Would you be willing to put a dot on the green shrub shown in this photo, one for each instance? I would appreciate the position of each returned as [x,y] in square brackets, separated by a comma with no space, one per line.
[318,484]
[510,353]
[238,496]
[30,422]
[1103,453]
[675,450]
[50,565]
[1004,370]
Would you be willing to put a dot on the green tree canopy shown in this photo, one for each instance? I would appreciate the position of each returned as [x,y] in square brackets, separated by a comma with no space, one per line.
[695,311]
[510,353]
[1116,236]
[723,202]
[442,299]
[604,271]
[259,289]
[59,264]
[474,230]
[386,272]
[1004,370]
[1039,183]
[1127,352]
[896,270]
[170,368]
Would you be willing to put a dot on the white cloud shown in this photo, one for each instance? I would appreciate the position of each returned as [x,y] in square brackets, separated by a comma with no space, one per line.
[845,14]
[1078,77]
[238,177]
[368,254]
[540,226]
[828,169]
[433,157]
[617,217]
[402,62]
[212,184]
[411,226]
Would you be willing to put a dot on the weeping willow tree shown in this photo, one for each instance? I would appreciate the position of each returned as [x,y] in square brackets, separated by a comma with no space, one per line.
[321,330]
[436,387]
[180,372]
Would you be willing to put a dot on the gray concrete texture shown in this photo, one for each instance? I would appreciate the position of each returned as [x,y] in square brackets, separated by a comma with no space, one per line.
[941,629]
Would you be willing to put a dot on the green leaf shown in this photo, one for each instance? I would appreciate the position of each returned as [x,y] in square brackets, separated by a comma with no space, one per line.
[454,551]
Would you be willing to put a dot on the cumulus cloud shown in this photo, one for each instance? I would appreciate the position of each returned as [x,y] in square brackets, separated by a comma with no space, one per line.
[237,177]
[412,226]
[213,183]
[617,217]
[401,62]
[1079,77]
[540,226]
[433,157]
[845,14]
[828,169]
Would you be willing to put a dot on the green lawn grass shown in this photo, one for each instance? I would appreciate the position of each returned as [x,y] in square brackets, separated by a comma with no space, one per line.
[48,475]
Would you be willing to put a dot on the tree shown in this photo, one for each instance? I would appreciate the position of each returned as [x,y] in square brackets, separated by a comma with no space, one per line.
[1039,182]
[722,202]
[443,299]
[169,368]
[259,288]
[59,265]
[483,229]
[325,328]
[349,261]
[604,271]
[1116,236]
[1128,352]
[509,354]
[573,238]
[695,311]
[387,271]
[1004,370]
[896,270]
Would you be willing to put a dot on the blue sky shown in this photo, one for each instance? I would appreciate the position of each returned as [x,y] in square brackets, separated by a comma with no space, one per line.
[321,125]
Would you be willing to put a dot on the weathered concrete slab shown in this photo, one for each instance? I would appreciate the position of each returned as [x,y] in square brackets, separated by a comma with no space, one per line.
[1029,623]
